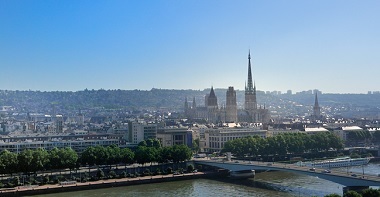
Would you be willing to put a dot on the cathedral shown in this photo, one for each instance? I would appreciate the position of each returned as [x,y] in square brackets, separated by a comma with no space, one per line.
[230,113]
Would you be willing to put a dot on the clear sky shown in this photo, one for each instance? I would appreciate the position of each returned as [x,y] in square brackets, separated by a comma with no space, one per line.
[333,46]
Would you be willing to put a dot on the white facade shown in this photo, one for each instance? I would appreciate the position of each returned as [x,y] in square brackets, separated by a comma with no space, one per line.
[78,146]
[215,138]
[142,131]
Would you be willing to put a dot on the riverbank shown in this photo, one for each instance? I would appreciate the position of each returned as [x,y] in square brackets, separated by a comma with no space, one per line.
[57,188]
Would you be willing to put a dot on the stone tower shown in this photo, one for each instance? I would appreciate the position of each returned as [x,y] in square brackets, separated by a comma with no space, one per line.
[212,106]
[231,105]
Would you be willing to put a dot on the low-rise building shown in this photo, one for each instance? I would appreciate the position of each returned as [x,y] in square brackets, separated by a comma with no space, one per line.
[169,136]
[217,137]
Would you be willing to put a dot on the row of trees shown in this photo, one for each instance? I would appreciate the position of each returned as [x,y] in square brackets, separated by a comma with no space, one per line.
[283,144]
[40,159]
[36,160]
[365,136]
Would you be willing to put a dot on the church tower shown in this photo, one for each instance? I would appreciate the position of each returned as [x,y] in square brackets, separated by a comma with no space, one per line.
[186,107]
[194,104]
[212,106]
[231,105]
[250,90]
[316,109]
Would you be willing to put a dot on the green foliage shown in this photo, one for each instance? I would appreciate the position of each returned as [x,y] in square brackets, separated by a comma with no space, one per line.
[351,194]
[25,159]
[169,170]
[371,193]
[146,172]
[180,153]
[8,162]
[100,174]
[195,145]
[16,181]
[155,143]
[37,160]
[332,195]
[283,144]
[145,154]
[99,155]
[89,156]
[45,179]
[40,159]
[112,174]
[127,156]
[158,171]
[190,168]
[123,174]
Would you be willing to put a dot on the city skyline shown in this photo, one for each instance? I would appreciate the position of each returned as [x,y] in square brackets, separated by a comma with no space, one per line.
[295,45]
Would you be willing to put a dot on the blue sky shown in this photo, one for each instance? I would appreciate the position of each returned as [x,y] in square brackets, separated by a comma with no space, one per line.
[333,46]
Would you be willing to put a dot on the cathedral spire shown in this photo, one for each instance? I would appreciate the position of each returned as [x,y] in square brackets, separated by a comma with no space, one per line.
[316,104]
[250,84]
[316,109]
[212,93]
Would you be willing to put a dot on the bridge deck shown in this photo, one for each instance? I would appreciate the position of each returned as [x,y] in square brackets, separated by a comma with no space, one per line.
[337,176]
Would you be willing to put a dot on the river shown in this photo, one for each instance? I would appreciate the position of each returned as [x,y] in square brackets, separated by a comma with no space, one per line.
[274,184]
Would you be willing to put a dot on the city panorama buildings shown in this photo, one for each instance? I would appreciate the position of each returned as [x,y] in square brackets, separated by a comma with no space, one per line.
[214,113]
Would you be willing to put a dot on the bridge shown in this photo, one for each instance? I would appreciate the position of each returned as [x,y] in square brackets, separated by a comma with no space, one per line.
[349,180]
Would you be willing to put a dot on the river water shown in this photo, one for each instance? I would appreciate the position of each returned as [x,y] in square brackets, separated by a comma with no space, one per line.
[274,184]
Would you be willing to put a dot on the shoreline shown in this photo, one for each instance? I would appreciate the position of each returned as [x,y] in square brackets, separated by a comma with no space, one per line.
[56,188]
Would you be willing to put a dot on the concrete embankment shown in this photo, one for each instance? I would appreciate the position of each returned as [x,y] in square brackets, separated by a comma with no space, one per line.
[48,189]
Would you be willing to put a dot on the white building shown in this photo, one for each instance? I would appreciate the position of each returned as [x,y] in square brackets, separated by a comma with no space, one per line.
[216,137]
[140,131]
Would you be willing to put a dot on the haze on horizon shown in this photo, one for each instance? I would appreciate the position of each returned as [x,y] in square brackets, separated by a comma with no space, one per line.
[295,45]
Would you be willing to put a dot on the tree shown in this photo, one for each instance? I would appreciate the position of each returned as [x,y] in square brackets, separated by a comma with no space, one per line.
[55,162]
[114,154]
[165,155]
[351,193]
[181,153]
[127,155]
[40,160]
[102,155]
[89,156]
[142,143]
[195,145]
[332,195]
[25,160]
[371,193]
[8,162]
[141,155]
[68,157]
[190,168]
[151,142]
